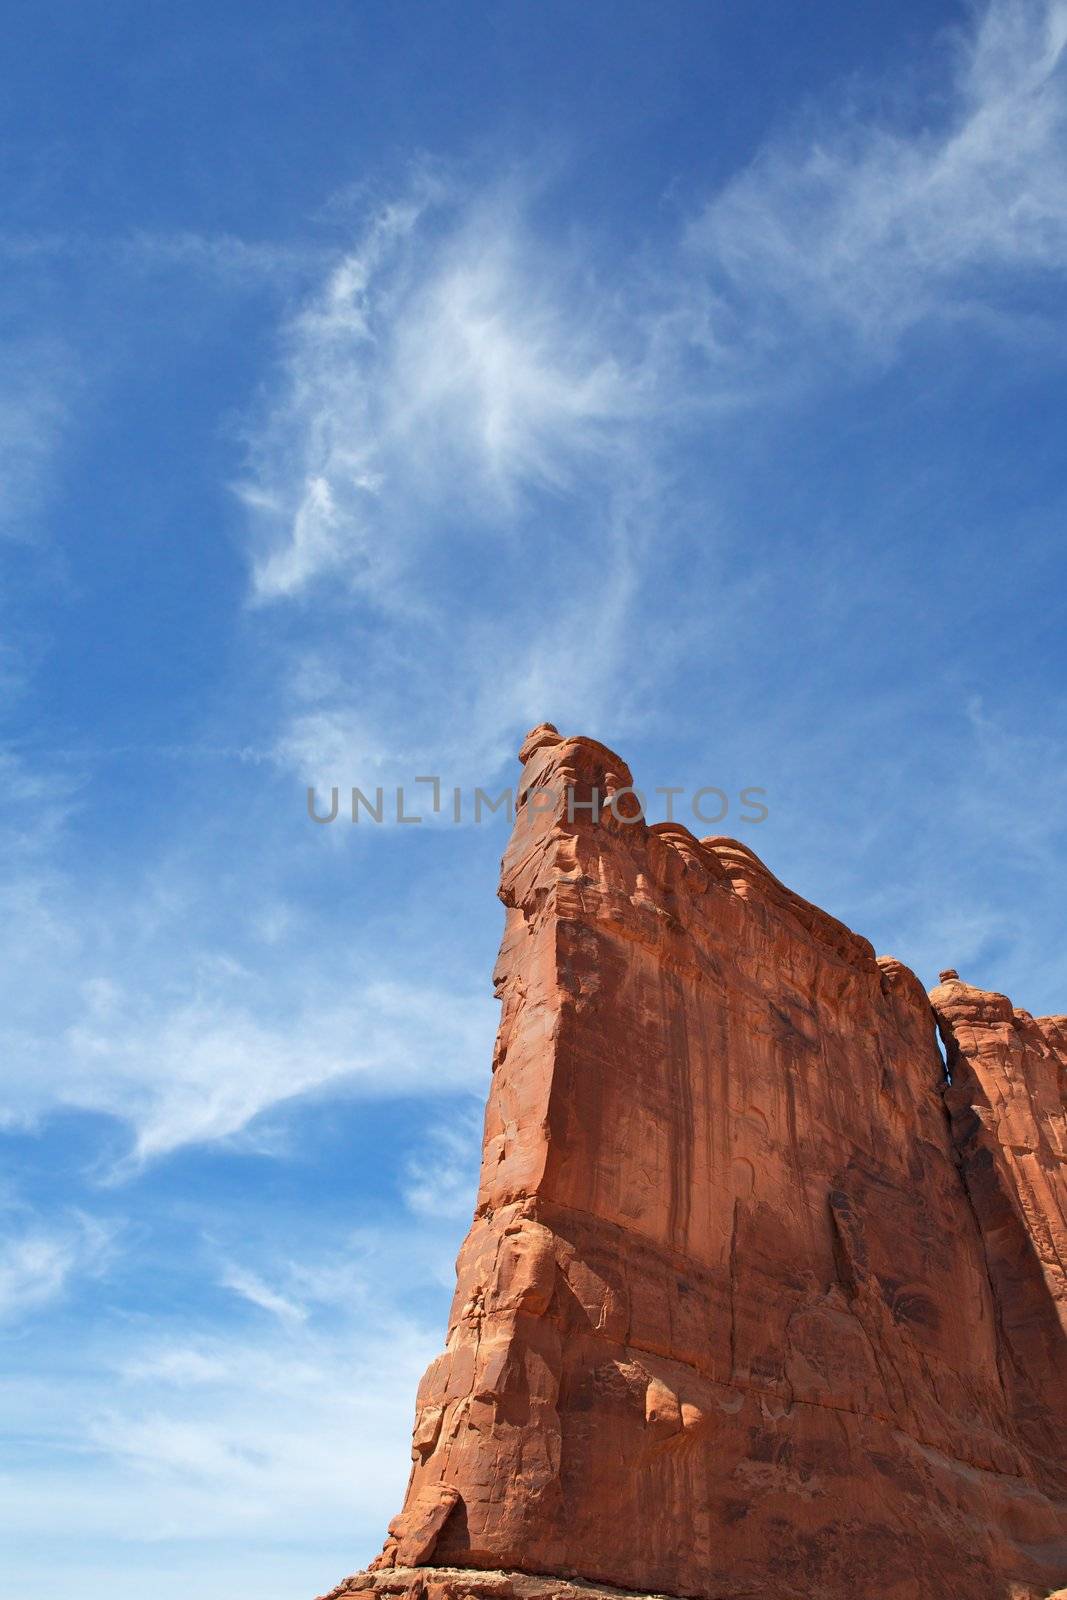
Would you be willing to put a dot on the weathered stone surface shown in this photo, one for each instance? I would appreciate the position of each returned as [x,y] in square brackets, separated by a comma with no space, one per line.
[465,1583]
[459,1583]
[744,1310]
[1008,1104]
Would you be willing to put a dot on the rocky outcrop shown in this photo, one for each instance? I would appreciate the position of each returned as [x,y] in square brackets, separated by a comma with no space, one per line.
[1008,1104]
[460,1583]
[751,1304]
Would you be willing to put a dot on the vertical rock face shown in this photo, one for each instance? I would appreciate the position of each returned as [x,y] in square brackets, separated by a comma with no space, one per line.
[1008,1104]
[750,1305]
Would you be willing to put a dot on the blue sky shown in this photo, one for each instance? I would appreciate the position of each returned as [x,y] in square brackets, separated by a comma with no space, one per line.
[377,382]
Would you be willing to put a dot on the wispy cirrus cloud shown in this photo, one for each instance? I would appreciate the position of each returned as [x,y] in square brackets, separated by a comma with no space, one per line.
[451,365]
[251,1287]
[198,1427]
[476,491]
[219,1437]
[461,383]
[852,222]
[467,378]
[461,466]
[39,382]
[201,1068]
[228,259]
[441,1176]
[39,1258]
[134,998]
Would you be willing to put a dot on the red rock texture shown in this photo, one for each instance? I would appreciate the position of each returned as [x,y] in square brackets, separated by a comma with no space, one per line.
[750,1306]
[459,1583]
[1008,1104]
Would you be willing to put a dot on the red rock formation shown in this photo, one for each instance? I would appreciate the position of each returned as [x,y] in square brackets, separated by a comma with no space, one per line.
[1008,1103]
[743,1311]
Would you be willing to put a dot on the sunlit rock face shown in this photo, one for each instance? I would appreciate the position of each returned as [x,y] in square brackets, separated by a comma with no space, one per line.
[751,1304]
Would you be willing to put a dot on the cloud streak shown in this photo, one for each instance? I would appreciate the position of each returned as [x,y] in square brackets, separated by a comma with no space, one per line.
[203,1069]
[131,998]
[38,1260]
[858,225]
[35,415]
[451,366]
[468,380]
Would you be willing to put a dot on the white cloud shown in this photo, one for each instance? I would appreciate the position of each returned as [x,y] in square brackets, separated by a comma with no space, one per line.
[441,1176]
[211,1435]
[38,1260]
[252,1288]
[134,998]
[861,224]
[463,379]
[202,1069]
[242,263]
[462,384]
[450,364]
[35,395]
[454,697]
[468,379]
[932,826]
[461,472]
[1019,772]
[300,1438]
[178,1365]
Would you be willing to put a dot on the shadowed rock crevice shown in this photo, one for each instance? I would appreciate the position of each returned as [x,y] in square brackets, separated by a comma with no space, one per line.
[753,1302]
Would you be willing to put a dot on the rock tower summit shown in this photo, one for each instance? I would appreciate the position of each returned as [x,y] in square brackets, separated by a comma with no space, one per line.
[752,1305]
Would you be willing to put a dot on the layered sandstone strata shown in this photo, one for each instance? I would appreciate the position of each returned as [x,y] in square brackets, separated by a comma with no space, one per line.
[751,1306]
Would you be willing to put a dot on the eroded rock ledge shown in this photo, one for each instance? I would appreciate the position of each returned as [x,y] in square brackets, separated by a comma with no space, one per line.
[751,1305]
[461,1583]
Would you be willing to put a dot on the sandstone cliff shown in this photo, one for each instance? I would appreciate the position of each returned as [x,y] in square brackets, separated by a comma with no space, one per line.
[751,1304]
